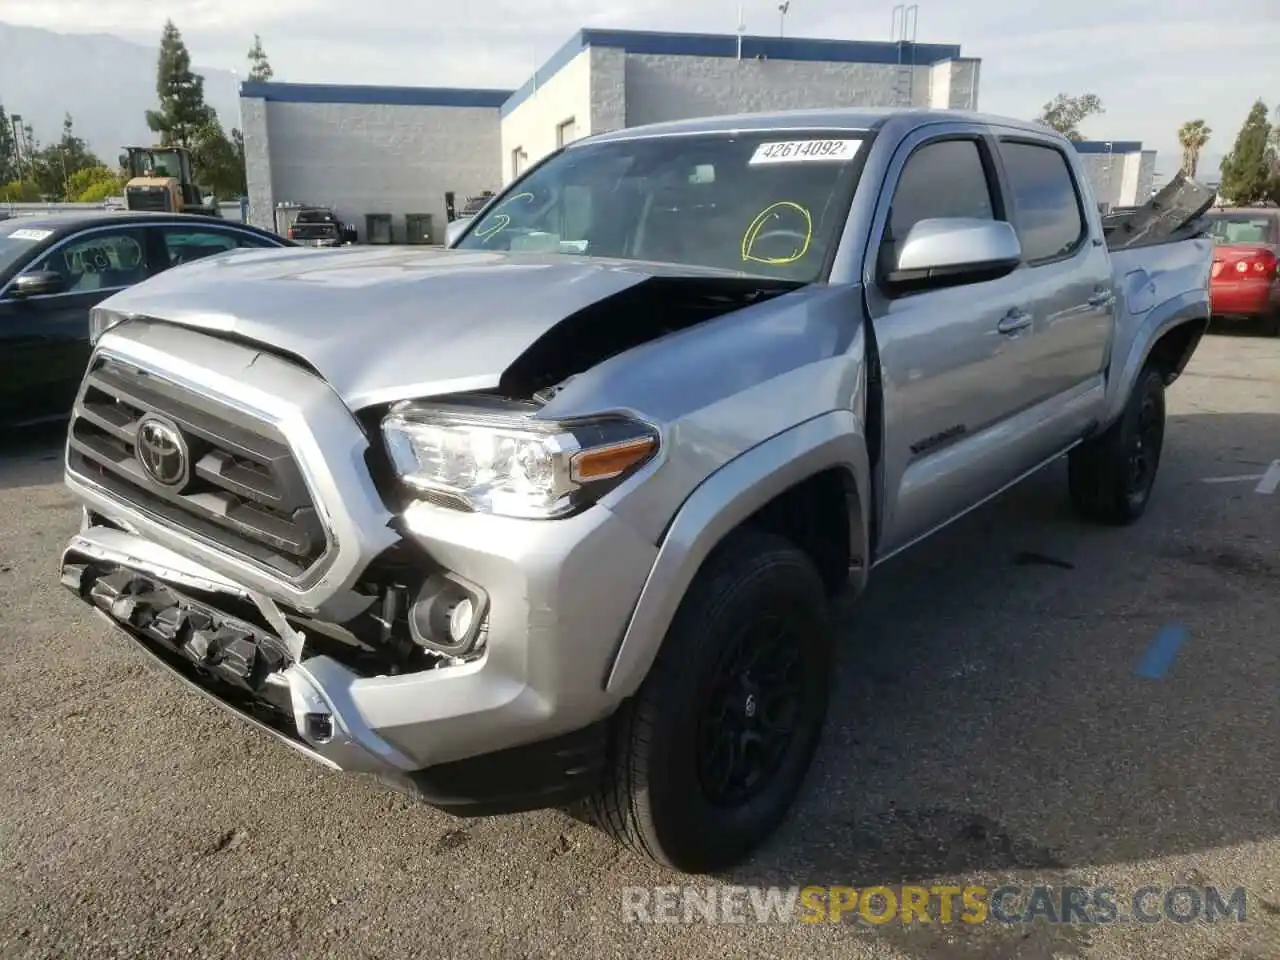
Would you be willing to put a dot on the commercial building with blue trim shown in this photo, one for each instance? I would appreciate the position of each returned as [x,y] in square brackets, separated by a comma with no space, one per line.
[399,151]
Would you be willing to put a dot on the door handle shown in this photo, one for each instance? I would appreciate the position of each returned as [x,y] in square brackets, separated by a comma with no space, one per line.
[1013,321]
[1101,298]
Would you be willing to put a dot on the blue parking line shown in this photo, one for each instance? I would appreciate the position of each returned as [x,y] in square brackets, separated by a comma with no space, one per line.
[1160,655]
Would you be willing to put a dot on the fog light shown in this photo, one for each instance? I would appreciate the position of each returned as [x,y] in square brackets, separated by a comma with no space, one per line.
[447,616]
[460,620]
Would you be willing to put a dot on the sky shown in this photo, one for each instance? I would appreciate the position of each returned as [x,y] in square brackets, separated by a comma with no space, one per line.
[1154,63]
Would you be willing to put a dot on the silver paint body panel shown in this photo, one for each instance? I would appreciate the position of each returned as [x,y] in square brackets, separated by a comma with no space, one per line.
[747,405]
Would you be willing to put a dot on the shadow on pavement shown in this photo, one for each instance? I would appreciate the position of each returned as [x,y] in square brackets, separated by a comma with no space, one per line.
[31,456]
[987,722]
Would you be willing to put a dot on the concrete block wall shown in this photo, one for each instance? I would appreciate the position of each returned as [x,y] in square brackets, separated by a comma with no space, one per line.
[257,161]
[662,88]
[1120,176]
[608,89]
[359,159]
[953,84]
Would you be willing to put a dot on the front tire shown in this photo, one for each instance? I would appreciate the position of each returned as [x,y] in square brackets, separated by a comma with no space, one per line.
[1111,476]
[708,756]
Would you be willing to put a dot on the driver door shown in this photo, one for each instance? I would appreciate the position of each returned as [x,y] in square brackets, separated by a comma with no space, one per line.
[955,360]
[47,347]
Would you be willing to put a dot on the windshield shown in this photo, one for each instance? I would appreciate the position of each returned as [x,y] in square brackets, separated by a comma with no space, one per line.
[157,164]
[767,204]
[1243,228]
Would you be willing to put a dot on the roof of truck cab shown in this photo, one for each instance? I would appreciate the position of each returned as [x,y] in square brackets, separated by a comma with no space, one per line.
[840,118]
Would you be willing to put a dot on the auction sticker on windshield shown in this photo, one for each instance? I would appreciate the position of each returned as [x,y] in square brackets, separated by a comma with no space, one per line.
[805,151]
[28,234]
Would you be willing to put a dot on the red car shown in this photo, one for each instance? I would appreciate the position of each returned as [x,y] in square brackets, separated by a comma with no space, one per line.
[1245,284]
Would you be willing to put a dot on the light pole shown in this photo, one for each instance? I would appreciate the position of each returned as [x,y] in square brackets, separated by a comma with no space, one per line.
[782,17]
[15,121]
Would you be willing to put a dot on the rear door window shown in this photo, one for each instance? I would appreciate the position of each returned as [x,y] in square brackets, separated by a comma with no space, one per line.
[186,245]
[1047,204]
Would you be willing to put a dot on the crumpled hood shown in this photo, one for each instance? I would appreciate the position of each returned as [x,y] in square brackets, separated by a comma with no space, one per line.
[388,324]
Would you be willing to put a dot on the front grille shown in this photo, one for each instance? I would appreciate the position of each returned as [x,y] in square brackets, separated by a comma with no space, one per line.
[243,490]
[148,198]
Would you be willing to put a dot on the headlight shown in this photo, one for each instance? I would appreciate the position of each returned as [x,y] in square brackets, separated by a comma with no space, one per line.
[509,463]
[100,321]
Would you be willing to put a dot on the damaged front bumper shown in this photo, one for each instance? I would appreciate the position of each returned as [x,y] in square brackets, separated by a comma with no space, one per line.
[501,734]
[168,605]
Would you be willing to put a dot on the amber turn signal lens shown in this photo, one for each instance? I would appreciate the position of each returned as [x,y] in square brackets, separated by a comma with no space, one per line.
[607,462]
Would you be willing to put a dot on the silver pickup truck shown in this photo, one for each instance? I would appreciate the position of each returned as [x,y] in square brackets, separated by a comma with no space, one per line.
[552,518]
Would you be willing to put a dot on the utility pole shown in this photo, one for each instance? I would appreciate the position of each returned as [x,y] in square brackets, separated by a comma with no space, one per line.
[782,17]
[742,28]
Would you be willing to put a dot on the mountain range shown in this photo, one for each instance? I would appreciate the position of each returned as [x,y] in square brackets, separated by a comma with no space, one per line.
[107,84]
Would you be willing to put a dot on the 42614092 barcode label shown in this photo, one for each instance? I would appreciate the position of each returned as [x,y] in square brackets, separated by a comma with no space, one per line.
[805,151]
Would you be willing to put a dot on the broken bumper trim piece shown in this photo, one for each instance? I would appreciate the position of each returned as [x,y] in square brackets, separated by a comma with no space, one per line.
[233,661]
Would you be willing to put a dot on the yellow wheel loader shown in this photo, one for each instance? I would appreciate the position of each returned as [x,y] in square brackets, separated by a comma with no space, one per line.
[160,179]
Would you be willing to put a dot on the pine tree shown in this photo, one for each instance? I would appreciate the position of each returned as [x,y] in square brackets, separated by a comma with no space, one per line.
[8,151]
[1247,171]
[183,112]
[220,161]
[259,67]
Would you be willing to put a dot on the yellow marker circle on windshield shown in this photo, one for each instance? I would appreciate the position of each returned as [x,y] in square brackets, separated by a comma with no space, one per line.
[757,226]
[500,220]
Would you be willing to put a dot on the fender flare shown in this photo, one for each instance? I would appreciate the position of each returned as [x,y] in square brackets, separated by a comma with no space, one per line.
[723,501]
[1188,307]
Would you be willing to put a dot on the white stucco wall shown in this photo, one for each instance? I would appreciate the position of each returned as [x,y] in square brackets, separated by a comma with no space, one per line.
[531,126]
[368,158]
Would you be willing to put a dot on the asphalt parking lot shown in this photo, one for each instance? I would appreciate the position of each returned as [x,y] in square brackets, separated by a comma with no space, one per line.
[1010,708]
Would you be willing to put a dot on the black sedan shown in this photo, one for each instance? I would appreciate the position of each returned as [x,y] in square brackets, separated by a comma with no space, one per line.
[54,269]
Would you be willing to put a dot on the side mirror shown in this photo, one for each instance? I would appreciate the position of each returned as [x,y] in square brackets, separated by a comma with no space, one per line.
[454,230]
[953,250]
[39,283]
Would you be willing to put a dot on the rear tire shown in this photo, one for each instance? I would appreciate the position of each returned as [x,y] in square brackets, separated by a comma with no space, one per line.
[708,756]
[1110,476]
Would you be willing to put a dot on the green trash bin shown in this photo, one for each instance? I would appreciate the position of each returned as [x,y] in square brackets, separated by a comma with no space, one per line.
[417,228]
[377,227]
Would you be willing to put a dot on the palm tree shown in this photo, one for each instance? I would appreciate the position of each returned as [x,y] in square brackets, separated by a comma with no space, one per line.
[1193,135]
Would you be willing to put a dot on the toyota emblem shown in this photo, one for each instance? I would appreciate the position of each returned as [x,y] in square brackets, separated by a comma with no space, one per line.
[162,452]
